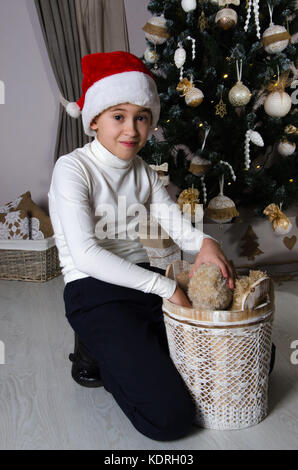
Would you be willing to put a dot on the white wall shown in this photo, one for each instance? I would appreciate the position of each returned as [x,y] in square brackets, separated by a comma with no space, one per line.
[29,117]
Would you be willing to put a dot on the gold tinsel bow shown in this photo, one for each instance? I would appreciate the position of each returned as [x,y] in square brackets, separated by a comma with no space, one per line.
[185,85]
[277,217]
[290,129]
[280,84]
[189,196]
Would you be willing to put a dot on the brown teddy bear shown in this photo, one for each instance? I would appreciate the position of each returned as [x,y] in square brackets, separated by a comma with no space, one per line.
[208,289]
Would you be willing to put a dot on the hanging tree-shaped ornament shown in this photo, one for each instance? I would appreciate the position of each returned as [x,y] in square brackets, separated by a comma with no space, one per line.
[255,4]
[239,95]
[255,138]
[199,166]
[278,103]
[275,38]
[221,209]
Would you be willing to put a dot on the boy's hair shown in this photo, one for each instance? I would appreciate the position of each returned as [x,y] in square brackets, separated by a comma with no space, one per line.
[111,78]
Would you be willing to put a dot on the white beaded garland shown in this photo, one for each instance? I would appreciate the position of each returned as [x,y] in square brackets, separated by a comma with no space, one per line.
[255,4]
[230,168]
[255,138]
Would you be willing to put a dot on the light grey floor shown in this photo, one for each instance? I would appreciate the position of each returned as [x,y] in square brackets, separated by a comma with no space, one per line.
[41,407]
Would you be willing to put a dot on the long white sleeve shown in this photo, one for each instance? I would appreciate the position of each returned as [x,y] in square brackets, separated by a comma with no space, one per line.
[74,221]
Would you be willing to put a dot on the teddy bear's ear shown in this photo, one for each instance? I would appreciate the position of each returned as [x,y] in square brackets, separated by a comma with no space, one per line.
[257,294]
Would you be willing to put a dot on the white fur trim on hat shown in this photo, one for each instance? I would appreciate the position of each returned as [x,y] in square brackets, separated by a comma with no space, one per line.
[126,87]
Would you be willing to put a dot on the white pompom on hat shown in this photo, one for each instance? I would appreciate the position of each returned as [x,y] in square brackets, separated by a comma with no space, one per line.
[111,78]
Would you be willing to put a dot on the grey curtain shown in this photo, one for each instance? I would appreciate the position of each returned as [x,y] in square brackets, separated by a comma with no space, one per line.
[72,29]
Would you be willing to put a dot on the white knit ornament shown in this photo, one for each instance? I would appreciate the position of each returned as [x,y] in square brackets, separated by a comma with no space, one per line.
[194,97]
[189,5]
[255,138]
[255,4]
[156,30]
[286,148]
[278,104]
[275,38]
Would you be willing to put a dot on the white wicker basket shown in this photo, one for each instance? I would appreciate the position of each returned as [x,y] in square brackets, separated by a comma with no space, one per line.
[223,357]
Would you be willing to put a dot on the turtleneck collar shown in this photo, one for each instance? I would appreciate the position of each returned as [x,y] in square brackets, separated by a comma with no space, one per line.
[108,158]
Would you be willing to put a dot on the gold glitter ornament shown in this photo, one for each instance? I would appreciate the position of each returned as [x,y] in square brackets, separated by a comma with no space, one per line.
[226,18]
[239,95]
[194,97]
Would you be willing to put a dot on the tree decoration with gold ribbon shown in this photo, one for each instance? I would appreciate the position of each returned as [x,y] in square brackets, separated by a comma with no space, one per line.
[280,223]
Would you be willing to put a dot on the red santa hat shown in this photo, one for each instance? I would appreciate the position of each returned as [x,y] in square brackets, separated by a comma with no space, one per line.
[111,78]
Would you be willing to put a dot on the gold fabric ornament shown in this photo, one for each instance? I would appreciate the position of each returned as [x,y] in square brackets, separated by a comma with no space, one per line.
[275,39]
[221,209]
[193,96]
[290,129]
[280,223]
[189,196]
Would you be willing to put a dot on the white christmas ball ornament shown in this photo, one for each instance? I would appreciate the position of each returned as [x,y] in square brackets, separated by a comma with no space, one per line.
[156,30]
[286,148]
[150,56]
[277,104]
[239,95]
[272,43]
[221,209]
[194,97]
[189,5]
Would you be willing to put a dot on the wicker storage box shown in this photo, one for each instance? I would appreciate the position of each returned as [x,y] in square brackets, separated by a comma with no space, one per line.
[223,357]
[29,260]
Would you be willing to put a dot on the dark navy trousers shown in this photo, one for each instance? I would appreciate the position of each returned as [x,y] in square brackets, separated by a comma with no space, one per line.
[123,329]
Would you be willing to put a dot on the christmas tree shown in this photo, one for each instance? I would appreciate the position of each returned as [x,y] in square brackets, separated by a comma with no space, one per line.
[227,76]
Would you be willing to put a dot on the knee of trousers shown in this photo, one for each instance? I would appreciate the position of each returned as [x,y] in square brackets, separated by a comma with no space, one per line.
[172,420]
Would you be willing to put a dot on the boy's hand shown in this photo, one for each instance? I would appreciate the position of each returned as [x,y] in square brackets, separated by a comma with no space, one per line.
[179,298]
[211,252]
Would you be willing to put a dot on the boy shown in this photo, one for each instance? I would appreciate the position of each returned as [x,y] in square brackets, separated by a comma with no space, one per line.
[112,295]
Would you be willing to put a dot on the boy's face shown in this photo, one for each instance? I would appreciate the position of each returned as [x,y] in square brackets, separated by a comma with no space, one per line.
[123,129]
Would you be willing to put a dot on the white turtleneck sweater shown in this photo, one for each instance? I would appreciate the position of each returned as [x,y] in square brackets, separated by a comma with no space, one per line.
[88,187]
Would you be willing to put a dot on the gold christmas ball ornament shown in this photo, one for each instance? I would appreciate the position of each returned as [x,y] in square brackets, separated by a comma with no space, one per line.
[278,104]
[221,209]
[199,166]
[281,225]
[194,97]
[156,30]
[239,95]
[226,18]
[286,148]
[275,39]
